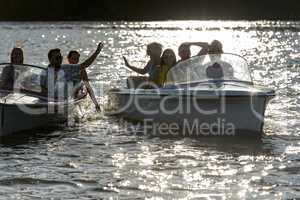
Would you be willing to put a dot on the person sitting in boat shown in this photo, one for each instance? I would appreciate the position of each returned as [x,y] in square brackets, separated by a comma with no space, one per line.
[168,60]
[73,58]
[184,50]
[214,71]
[154,50]
[215,53]
[57,80]
[8,75]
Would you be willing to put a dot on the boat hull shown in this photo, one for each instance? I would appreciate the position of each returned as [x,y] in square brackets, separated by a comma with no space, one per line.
[14,119]
[194,115]
[18,117]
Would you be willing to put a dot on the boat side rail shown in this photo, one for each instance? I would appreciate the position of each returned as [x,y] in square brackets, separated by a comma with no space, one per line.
[44,99]
[26,65]
[218,81]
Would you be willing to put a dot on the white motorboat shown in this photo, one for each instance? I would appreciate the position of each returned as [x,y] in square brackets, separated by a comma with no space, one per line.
[206,95]
[22,107]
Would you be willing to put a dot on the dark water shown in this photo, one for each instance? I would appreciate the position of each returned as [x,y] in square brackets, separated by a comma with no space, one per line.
[98,158]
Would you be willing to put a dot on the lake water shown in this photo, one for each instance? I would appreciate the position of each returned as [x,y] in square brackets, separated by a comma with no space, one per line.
[98,159]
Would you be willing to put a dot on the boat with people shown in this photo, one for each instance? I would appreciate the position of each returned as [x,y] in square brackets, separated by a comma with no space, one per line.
[23,107]
[212,94]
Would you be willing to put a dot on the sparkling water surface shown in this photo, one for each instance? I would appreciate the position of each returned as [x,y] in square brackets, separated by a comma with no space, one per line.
[99,159]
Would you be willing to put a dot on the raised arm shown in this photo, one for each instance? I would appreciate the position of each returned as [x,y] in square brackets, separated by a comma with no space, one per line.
[204,47]
[88,62]
[137,70]
[200,44]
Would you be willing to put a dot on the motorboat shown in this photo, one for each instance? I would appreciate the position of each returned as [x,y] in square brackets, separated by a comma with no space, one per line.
[23,107]
[204,95]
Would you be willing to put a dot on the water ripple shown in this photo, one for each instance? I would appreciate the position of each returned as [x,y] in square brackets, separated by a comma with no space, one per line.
[97,158]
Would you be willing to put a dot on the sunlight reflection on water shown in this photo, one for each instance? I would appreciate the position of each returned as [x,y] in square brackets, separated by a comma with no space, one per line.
[91,162]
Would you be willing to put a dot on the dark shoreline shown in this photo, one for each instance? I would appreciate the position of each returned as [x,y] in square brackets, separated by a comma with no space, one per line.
[156,20]
[143,10]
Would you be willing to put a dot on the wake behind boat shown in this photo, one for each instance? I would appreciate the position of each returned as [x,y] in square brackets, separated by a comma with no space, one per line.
[205,95]
[22,107]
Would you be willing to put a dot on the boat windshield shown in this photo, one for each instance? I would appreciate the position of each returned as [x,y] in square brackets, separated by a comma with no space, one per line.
[212,67]
[24,77]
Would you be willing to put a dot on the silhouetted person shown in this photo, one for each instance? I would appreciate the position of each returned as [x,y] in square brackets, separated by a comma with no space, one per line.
[184,50]
[154,50]
[215,54]
[214,71]
[58,78]
[9,75]
[215,47]
[168,60]
[73,58]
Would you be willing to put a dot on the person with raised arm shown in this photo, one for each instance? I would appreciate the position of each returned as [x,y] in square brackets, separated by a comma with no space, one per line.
[184,50]
[57,80]
[154,50]
[73,58]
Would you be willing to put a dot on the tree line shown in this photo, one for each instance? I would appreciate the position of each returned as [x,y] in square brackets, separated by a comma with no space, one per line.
[148,10]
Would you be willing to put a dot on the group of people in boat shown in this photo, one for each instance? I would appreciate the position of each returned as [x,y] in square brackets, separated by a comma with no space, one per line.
[68,79]
[162,61]
[58,80]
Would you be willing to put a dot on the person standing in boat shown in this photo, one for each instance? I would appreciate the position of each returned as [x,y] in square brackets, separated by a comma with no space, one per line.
[8,75]
[184,50]
[57,80]
[73,58]
[154,50]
